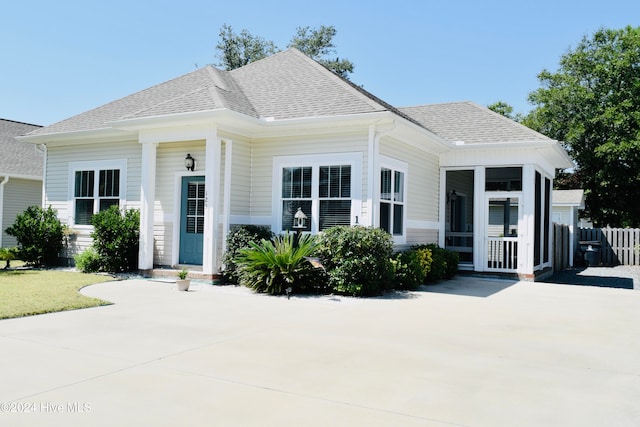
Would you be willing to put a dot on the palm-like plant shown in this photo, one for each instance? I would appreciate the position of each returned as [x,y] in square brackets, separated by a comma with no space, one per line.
[273,266]
[8,255]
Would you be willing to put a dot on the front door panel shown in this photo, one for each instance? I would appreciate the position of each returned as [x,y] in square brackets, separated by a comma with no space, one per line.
[192,220]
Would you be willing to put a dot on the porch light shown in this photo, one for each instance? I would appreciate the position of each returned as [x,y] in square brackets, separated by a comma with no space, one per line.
[189,163]
[299,219]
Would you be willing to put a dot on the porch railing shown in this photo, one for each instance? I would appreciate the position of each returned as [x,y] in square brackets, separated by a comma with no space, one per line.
[502,254]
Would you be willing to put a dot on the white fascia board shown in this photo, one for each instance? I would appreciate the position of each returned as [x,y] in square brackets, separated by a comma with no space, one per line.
[562,160]
[20,176]
[78,137]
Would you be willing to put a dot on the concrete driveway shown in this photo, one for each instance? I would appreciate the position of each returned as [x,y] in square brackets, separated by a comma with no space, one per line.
[468,352]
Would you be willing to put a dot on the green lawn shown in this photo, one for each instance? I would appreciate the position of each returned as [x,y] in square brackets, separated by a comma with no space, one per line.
[29,292]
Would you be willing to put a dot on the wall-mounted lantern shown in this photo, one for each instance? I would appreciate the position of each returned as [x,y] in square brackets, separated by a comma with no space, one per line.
[190,163]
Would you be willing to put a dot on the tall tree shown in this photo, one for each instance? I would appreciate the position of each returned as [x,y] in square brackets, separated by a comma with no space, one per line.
[318,45]
[505,109]
[237,50]
[592,103]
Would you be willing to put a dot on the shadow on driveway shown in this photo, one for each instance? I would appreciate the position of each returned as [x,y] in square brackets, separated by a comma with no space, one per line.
[595,276]
[471,286]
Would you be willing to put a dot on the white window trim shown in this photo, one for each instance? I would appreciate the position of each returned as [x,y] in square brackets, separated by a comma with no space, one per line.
[96,166]
[315,162]
[396,165]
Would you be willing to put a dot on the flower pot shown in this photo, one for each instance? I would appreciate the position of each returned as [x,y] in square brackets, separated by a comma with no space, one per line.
[183,285]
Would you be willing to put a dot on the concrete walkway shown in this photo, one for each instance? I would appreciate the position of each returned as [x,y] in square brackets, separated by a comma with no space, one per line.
[468,352]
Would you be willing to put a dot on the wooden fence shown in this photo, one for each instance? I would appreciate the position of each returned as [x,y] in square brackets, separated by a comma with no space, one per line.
[617,245]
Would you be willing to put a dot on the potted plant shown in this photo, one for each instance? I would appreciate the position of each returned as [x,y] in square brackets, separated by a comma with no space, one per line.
[183,282]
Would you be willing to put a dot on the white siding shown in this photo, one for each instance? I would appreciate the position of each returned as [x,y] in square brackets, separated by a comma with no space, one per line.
[241,178]
[169,168]
[265,150]
[19,194]
[416,236]
[58,185]
[423,179]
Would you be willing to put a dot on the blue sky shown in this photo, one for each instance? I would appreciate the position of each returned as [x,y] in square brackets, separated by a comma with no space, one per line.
[61,58]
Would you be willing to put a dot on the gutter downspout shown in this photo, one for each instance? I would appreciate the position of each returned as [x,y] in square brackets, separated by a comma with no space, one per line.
[2,184]
[376,132]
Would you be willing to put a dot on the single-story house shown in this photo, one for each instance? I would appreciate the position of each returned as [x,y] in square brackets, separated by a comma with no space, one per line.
[21,171]
[212,149]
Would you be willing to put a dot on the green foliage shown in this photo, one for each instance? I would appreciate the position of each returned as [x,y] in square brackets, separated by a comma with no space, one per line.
[357,260]
[39,234]
[88,261]
[592,104]
[443,262]
[182,274]
[8,255]
[240,238]
[506,110]
[409,269]
[273,266]
[116,238]
[238,50]
[452,259]
[318,45]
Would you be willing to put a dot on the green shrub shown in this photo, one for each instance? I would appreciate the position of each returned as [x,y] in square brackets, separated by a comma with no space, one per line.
[273,266]
[409,269]
[39,234]
[452,260]
[444,263]
[88,261]
[239,238]
[116,238]
[357,259]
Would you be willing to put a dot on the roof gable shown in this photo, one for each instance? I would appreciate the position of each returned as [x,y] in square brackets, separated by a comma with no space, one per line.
[18,158]
[283,86]
[291,85]
[470,123]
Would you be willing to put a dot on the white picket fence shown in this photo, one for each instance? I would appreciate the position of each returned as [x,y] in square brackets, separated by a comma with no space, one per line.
[618,245]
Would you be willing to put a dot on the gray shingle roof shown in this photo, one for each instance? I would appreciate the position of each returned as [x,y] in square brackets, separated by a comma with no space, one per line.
[285,85]
[471,123]
[17,157]
[568,197]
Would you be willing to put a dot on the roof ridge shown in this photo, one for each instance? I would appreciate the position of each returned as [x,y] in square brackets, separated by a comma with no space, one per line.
[166,101]
[217,84]
[20,123]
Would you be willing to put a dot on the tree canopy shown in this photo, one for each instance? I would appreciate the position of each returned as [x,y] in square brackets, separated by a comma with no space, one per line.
[592,104]
[236,50]
[505,109]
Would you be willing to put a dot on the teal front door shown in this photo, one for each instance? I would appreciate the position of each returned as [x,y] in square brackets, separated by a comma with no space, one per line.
[192,220]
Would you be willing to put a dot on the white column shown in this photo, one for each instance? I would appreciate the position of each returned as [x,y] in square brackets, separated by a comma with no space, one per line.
[371,174]
[526,230]
[479,220]
[210,256]
[226,208]
[442,208]
[147,197]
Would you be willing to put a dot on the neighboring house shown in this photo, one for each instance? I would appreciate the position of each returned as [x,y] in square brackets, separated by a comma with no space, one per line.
[285,133]
[566,206]
[21,169]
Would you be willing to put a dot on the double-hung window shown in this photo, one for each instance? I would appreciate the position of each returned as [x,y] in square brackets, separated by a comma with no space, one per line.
[325,188]
[392,197]
[95,187]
